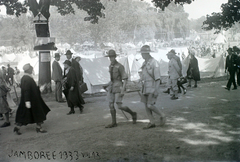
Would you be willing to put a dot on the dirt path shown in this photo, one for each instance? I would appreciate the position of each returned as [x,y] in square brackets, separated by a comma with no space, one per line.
[202,125]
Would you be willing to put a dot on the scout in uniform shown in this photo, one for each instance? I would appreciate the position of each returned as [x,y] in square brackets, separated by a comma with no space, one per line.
[115,89]
[150,78]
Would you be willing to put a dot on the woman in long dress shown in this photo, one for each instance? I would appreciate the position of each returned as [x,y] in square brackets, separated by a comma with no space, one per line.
[71,88]
[193,69]
[32,108]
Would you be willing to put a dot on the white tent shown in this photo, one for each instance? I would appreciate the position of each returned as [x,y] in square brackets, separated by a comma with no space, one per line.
[220,39]
[95,73]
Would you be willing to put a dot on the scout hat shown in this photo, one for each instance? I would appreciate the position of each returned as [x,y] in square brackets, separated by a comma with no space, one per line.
[57,55]
[68,52]
[145,49]
[67,62]
[111,53]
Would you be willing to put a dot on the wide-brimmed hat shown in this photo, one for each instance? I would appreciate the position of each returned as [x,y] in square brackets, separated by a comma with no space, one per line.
[111,53]
[68,52]
[56,55]
[27,67]
[67,62]
[145,49]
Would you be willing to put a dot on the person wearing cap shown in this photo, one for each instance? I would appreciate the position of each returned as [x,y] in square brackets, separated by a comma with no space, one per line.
[32,108]
[74,64]
[4,106]
[71,88]
[231,67]
[10,73]
[57,76]
[115,89]
[177,58]
[150,78]
[193,69]
[174,72]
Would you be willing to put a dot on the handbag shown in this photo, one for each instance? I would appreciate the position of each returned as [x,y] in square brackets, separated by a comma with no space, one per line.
[83,87]
[182,81]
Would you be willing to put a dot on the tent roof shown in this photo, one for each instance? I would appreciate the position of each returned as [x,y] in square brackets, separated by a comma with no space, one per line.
[220,39]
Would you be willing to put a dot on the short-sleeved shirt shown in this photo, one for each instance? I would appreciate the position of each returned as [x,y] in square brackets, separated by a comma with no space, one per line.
[117,74]
[150,74]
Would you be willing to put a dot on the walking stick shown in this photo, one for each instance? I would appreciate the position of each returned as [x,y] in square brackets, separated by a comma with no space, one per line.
[15,93]
[105,88]
[124,114]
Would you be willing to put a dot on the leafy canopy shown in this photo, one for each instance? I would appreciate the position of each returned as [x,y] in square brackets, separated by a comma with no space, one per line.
[94,8]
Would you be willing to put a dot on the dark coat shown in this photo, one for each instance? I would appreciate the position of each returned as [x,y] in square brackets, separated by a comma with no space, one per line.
[78,70]
[38,111]
[74,98]
[193,70]
[231,64]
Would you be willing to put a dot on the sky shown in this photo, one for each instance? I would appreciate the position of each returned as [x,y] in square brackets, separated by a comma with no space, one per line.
[200,8]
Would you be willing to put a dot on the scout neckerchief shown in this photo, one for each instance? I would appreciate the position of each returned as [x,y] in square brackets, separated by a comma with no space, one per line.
[111,69]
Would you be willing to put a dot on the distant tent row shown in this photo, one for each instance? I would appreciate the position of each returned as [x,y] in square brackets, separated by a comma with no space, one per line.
[96,72]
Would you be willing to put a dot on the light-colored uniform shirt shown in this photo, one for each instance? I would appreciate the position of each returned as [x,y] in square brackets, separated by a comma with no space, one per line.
[117,74]
[150,74]
[174,70]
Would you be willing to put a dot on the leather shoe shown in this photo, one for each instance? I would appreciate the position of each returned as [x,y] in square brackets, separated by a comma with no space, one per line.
[62,101]
[174,98]
[111,125]
[235,88]
[167,91]
[71,112]
[17,131]
[40,130]
[149,126]
[6,124]
[227,88]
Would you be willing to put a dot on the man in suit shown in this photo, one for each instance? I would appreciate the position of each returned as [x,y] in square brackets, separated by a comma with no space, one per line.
[174,72]
[57,76]
[74,64]
[231,66]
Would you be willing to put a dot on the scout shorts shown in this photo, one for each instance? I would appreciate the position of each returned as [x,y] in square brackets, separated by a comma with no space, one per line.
[114,97]
[148,99]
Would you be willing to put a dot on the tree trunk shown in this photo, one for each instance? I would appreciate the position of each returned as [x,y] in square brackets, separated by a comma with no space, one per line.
[44,76]
[42,30]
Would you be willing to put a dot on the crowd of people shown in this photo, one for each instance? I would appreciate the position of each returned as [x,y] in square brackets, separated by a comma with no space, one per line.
[33,109]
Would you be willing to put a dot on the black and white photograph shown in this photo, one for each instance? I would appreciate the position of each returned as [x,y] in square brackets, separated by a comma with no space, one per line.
[119,80]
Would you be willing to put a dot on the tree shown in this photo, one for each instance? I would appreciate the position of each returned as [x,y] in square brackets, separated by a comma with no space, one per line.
[225,19]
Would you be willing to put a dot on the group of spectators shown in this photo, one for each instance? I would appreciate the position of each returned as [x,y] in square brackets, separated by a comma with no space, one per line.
[32,108]
[181,73]
[10,75]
